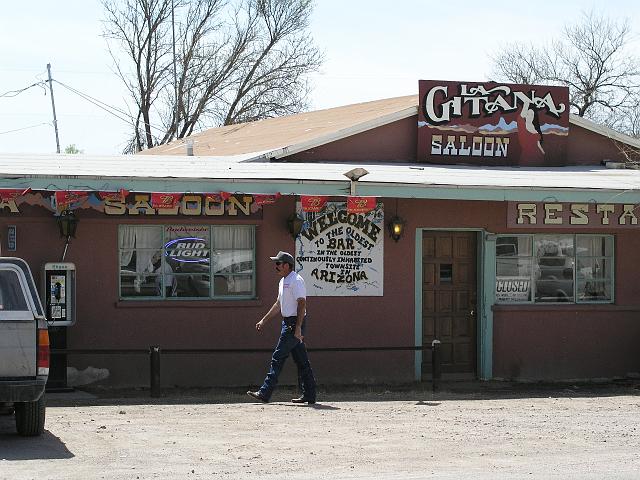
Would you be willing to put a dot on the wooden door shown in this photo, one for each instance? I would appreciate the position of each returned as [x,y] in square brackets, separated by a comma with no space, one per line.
[449,301]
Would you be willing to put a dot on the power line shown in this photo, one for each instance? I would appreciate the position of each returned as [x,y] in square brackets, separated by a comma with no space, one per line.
[15,93]
[25,128]
[105,106]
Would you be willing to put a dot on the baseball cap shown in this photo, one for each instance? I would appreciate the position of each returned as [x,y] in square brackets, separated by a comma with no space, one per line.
[283,257]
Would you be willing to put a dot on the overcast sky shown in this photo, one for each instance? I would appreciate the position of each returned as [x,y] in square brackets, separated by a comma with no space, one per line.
[374,49]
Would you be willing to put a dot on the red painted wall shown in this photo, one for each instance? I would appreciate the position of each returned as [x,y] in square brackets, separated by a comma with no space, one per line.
[104,322]
[530,342]
[397,142]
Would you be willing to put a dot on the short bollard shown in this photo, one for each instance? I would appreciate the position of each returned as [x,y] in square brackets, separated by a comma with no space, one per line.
[435,364]
[154,371]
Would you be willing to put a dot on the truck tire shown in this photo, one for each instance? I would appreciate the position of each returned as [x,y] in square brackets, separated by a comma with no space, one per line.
[30,417]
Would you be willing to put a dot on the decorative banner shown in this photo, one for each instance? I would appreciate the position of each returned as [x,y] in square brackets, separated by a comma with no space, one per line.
[7,194]
[492,123]
[217,197]
[118,196]
[266,199]
[360,204]
[165,201]
[69,199]
[313,203]
[340,253]
[112,202]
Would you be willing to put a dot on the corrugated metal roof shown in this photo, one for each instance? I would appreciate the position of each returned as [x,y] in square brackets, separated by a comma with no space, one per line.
[135,168]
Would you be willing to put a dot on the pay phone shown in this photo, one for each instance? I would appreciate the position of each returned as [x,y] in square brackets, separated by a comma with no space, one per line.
[60,293]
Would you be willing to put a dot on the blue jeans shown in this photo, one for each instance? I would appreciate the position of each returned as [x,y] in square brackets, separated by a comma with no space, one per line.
[289,344]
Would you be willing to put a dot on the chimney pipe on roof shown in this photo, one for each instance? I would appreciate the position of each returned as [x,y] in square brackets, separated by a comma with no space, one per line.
[189,148]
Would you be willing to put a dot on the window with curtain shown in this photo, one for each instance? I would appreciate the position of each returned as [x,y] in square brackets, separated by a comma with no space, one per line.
[187,261]
[556,268]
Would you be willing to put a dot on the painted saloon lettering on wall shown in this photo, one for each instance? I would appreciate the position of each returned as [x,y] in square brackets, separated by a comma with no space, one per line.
[340,253]
[122,202]
[492,123]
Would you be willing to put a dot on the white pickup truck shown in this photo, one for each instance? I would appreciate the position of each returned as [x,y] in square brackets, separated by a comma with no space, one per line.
[24,347]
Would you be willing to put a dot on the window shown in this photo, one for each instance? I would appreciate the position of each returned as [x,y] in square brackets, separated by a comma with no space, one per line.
[554,268]
[187,261]
[11,295]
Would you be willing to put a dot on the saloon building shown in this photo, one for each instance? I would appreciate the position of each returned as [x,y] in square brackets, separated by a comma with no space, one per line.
[481,215]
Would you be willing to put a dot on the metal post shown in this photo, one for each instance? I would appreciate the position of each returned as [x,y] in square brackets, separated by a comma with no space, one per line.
[435,364]
[154,371]
[53,106]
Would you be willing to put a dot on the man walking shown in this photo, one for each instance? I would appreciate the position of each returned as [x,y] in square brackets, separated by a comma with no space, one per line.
[291,304]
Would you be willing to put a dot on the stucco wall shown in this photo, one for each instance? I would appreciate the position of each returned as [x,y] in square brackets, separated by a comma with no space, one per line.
[530,342]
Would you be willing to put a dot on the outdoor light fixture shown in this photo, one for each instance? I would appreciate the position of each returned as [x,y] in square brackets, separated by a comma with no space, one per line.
[396,227]
[354,175]
[294,225]
[67,223]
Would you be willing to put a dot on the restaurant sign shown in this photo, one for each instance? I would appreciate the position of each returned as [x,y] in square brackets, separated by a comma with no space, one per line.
[575,215]
[492,123]
[340,253]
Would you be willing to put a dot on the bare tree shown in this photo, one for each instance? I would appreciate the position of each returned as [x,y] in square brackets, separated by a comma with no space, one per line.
[235,61]
[593,59]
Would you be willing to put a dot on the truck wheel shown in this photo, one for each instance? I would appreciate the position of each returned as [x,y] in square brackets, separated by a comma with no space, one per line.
[30,417]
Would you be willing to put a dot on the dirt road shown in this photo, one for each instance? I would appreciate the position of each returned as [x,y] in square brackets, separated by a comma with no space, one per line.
[565,433]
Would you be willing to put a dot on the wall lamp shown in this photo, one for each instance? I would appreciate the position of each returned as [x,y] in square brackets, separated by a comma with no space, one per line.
[67,223]
[396,227]
[294,225]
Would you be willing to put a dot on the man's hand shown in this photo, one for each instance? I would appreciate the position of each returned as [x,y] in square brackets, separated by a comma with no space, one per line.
[298,334]
[259,325]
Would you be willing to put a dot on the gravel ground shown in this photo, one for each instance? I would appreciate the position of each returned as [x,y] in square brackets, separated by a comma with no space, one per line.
[497,432]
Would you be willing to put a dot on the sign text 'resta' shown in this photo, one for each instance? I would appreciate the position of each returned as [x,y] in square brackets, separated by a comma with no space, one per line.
[574,215]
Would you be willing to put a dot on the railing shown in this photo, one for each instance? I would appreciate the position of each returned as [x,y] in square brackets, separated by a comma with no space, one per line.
[155,352]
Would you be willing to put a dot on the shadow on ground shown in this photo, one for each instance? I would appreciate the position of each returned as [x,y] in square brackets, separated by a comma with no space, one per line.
[14,447]
[329,396]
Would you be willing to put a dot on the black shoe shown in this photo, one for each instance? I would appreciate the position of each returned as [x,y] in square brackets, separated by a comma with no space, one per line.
[257,396]
[303,399]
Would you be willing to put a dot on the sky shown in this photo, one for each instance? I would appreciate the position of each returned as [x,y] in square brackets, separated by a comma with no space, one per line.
[373,49]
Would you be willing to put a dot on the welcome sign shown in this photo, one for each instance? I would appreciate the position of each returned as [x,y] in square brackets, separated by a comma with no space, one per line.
[340,253]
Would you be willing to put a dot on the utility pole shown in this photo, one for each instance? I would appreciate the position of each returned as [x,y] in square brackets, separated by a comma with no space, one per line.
[175,76]
[53,106]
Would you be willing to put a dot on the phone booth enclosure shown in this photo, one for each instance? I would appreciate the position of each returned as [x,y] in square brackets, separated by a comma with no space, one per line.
[60,293]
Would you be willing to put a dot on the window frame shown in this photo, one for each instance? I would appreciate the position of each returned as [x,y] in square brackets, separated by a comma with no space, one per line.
[533,262]
[164,239]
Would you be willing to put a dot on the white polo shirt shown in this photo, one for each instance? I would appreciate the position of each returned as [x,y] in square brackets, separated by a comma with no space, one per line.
[290,289]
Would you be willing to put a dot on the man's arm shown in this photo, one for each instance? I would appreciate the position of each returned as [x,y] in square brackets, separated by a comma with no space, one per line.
[273,311]
[302,302]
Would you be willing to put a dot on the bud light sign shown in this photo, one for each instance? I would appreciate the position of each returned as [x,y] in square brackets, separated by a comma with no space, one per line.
[187,250]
